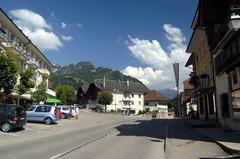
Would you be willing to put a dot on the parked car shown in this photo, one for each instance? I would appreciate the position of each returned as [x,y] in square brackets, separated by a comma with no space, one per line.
[42,113]
[65,111]
[11,117]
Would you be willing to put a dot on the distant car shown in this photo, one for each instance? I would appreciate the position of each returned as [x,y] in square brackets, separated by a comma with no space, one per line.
[11,117]
[42,113]
[65,111]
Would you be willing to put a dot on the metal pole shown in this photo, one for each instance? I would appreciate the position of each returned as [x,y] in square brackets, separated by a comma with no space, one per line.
[179,103]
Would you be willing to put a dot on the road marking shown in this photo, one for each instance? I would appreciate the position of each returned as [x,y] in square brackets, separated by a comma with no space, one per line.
[8,134]
[76,148]
[56,156]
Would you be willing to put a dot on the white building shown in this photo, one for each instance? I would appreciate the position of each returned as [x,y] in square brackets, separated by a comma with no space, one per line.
[26,53]
[127,96]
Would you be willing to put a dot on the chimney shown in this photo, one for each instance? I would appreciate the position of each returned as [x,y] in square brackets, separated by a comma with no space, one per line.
[104,82]
[127,82]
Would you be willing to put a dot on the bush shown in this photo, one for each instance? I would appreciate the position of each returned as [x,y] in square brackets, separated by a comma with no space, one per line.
[147,110]
[112,111]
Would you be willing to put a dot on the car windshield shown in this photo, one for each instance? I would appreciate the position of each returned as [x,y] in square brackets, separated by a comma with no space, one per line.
[31,108]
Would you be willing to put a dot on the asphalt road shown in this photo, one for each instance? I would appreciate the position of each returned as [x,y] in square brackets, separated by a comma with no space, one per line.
[103,136]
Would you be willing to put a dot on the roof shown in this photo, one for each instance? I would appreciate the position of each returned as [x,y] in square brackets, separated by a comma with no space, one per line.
[113,85]
[154,96]
[187,85]
[26,37]
[85,87]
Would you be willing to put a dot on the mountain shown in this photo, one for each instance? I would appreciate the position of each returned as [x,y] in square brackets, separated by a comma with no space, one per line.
[169,93]
[84,72]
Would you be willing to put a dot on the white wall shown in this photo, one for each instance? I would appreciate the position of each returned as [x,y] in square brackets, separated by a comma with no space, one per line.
[119,100]
[222,87]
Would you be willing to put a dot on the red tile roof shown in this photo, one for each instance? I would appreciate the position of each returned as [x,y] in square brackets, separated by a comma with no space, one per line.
[154,96]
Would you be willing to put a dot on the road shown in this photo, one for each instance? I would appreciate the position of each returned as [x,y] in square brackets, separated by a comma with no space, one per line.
[105,136]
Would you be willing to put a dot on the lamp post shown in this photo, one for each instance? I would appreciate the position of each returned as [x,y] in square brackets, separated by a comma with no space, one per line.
[176,74]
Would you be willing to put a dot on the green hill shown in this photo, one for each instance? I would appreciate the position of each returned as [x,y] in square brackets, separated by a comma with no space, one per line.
[84,72]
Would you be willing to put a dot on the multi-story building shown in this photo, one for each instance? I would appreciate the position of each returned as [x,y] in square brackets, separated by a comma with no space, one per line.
[26,53]
[219,20]
[222,26]
[127,96]
[154,99]
[202,76]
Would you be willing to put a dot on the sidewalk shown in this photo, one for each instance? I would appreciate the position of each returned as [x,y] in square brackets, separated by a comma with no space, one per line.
[228,140]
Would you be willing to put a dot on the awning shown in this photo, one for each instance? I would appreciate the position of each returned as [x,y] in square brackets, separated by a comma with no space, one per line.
[53,100]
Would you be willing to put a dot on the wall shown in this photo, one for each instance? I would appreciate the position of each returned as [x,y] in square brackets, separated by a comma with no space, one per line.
[118,102]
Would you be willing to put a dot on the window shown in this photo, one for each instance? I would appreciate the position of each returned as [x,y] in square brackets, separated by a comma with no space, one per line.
[236,104]
[139,95]
[139,103]
[40,109]
[132,95]
[31,108]
[1,109]
[48,108]
[234,78]
[211,105]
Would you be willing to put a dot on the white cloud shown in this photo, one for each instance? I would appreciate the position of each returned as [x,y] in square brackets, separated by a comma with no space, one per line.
[63,25]
[67,38]
[79,25]
[37,29]
[159,74]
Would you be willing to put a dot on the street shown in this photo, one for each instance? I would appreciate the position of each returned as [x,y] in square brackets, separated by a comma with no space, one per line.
[106,136]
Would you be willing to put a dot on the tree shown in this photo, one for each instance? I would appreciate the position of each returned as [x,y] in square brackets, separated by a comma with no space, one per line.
[105,98]
[8,72]
[25,83]
[40,94]
[65,93]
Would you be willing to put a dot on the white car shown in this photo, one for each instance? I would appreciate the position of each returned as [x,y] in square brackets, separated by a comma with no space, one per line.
[66,111]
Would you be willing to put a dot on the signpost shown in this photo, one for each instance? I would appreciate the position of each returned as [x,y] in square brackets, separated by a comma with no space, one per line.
[176,73]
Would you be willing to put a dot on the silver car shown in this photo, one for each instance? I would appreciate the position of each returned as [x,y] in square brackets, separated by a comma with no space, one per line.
[42,113]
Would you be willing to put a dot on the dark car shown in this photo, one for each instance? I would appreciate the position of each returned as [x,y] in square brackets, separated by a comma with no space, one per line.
[11,117]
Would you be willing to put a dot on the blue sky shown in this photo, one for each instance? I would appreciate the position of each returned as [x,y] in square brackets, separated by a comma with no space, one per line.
[110,33]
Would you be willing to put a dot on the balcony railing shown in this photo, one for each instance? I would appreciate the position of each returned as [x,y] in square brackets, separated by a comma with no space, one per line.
[16,49]
[33,63]
[3,36]
[126,98]
[44,72]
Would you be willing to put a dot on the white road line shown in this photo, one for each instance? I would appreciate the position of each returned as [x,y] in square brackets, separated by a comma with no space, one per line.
[8,134]
[56,156]
[76,148]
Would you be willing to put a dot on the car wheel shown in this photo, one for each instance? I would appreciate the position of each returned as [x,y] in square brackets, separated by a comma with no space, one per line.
[63,116]
[48,121]
[6,127]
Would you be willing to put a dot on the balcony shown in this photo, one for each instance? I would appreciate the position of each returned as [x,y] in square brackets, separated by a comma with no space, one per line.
[33,63]
[44,72]
[126,98]
[225,32]
[16,49]
[3,35]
